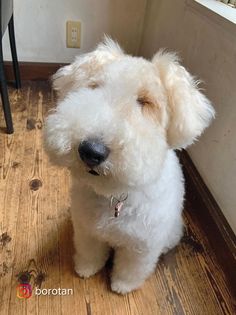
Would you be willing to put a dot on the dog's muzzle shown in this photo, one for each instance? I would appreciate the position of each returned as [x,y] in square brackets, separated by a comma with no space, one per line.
[93,152]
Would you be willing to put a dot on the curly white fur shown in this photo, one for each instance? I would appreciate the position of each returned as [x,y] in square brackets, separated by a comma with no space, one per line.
[99,96]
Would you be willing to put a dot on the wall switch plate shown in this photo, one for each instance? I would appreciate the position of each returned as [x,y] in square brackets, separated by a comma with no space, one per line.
[73,34]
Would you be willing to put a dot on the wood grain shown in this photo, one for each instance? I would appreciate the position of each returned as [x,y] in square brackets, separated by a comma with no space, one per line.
[35,224]
[207,214]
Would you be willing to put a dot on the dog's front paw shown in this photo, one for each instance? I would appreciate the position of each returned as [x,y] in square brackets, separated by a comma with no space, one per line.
[86,271]
[123,287]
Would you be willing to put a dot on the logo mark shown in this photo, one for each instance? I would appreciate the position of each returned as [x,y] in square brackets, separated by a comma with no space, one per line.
[31,274]
[23,291]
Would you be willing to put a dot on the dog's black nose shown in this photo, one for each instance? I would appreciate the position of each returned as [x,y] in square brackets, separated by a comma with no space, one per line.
[93,152]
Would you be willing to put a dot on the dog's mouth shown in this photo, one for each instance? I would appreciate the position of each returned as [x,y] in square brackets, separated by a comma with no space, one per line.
[93,172]
[100,170]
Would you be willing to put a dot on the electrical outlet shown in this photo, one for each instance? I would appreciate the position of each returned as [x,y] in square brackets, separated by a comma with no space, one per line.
[73,34]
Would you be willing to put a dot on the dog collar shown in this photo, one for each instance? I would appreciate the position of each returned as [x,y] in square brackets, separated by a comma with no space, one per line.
[117,204]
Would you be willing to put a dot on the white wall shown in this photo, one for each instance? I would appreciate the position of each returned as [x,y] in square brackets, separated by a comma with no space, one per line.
[208,49]
[40,26]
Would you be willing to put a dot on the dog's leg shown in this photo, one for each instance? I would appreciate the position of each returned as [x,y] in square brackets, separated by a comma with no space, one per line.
[131,268]
[91,254]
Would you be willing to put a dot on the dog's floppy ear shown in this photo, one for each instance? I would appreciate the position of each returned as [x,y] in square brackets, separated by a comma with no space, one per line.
[85,67]
[190,112]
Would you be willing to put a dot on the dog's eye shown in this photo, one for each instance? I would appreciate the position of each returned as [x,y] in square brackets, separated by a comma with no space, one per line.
[144,100]
[93,85]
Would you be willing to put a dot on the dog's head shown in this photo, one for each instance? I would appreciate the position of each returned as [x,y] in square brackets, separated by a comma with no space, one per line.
[118,115]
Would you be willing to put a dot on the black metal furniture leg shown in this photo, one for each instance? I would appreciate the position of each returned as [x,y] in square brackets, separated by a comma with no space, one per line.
[13,52]
[4,95]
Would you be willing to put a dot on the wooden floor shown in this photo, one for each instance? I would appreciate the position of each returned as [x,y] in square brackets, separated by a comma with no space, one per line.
[35,224]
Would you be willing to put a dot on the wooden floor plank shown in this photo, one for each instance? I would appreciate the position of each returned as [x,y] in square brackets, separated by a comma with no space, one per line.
[35,224]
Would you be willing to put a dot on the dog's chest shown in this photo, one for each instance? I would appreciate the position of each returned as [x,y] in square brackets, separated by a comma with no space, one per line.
[137,222]
[130,226]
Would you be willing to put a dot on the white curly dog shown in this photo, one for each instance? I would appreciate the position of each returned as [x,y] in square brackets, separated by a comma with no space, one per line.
[116,125]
